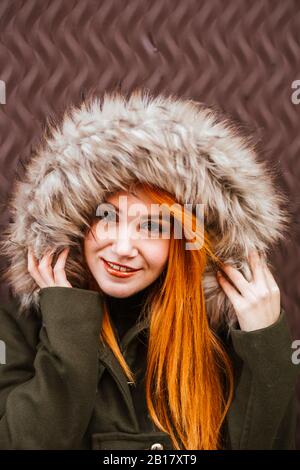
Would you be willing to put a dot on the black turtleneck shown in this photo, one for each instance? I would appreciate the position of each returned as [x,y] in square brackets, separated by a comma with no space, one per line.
[124,312]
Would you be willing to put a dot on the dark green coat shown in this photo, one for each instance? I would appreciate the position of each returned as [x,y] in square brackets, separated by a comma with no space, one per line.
[62,389]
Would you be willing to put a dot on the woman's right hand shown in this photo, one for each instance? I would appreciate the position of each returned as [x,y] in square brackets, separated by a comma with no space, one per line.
[42,271]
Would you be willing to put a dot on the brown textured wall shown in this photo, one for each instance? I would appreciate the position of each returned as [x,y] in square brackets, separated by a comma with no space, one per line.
[242,56]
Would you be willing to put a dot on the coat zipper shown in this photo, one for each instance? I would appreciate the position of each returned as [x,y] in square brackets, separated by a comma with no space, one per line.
[109,361]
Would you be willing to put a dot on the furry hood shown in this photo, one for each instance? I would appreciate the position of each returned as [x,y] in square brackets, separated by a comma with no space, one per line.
[105,144]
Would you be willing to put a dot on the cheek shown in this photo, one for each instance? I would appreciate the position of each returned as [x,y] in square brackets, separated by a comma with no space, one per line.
[156,253]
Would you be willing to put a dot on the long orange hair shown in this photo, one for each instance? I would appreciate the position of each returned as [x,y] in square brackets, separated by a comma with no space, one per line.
[187,366]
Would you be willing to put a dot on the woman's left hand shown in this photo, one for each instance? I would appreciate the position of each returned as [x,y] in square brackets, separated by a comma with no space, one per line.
[256,303]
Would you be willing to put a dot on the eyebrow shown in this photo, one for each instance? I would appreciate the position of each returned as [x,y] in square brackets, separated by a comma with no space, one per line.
[160,216]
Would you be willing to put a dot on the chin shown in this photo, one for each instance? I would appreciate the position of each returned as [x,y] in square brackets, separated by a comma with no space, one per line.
[119,291]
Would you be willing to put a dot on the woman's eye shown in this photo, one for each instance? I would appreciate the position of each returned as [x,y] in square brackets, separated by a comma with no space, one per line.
[152,227]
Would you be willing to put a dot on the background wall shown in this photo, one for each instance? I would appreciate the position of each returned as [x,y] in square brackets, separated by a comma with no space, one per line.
[242,56]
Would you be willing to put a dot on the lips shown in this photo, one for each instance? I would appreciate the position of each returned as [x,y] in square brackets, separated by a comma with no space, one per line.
[113,265]
[117,273]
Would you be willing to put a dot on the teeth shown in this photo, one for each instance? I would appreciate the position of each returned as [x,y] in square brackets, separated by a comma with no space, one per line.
[119,268]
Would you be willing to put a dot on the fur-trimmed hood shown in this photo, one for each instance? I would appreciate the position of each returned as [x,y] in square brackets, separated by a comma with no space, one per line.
[107,143]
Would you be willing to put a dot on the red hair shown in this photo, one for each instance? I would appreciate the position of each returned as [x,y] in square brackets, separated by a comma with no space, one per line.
[187,366]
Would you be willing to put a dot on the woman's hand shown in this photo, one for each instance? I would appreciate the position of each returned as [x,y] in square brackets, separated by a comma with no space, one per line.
[257,304]
[42,272]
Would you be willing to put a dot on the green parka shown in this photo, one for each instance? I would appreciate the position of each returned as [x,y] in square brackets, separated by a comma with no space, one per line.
[61,388]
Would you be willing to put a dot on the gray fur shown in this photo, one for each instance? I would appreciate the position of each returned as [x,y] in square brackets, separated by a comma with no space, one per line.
[106,144]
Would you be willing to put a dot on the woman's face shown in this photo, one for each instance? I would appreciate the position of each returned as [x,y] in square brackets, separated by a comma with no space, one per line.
[124,235]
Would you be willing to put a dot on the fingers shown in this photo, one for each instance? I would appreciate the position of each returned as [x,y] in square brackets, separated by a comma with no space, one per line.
[256,265]
[33,269]
[45,268]
[229,290]
[262,279]
[272,284]
[248,290]
[42,272]
[59,269]
[237,278]
[261,294]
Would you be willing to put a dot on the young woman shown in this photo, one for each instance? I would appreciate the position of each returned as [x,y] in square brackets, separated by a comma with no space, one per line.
[120,335]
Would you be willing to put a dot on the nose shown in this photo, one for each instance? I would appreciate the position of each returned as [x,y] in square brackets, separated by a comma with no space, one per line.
[124,244]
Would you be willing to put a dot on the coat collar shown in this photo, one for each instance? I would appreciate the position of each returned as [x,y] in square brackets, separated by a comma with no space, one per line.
[107,360]
[132,333]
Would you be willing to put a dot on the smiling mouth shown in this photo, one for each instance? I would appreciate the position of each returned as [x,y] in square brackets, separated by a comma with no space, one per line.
[118,270]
